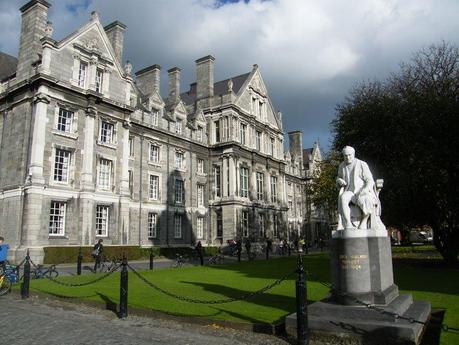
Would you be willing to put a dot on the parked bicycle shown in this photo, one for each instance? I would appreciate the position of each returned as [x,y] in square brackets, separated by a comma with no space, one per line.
[40,271]
[215,260]
[9,274]
[179,261]
[109,265]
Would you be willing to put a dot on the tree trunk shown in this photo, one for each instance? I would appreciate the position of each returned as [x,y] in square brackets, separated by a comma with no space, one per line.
[446,240]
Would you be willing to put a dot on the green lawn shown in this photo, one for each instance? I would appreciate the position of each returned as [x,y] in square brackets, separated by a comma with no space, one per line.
[428,282]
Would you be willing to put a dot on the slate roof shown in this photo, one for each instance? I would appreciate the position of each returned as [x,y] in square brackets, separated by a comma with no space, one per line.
[8,65]
[220,88]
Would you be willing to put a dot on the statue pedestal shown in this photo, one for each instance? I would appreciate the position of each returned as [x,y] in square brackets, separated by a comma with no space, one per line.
[361,268]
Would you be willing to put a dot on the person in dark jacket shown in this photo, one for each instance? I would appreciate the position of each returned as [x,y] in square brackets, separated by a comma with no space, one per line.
[97,254]
[198,249]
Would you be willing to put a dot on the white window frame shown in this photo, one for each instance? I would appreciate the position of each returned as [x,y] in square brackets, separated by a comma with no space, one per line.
[179,160]
[243,130]
[61,169]
[275,227]
[200,196]
[272,146]
[178,127]
[102,220]
[57,218]
[104,174]
[107,133]
[177,225]
[179,191]
[153,156]
[273,188]
[153,187]
[82,74]
[244,177]
[131,147]
[65,120]
[200,228]
[152,225]
[261,220]
[200,164]
[258,140]
[154,117]
[99,81]
[260,183]
[217,132]
[199,134]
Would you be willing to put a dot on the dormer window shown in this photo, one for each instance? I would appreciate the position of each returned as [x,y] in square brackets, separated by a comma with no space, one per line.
[178,127]
[82,72]
[154,117]
[199,133]
[258,140]
[99,79]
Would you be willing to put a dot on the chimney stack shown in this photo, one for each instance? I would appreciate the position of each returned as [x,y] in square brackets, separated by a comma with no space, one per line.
[205,77]
[296,146]
[148,79]
[33,29]
[115,33]
[174,82]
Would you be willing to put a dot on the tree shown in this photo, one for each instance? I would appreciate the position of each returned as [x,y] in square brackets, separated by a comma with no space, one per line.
[407,127]
[322,191]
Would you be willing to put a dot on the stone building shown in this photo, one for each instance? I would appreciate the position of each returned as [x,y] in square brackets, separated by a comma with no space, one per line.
[89,151]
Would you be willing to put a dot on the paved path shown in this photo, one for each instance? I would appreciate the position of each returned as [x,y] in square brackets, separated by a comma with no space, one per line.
[50,322]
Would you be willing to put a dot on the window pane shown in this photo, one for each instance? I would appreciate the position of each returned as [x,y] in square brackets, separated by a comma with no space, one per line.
[152,223]
[57,218]
[61,165]
[102,213]
[105,169]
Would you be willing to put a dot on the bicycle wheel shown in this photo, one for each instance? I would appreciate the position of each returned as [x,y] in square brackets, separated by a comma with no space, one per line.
[52,273]
[5,285]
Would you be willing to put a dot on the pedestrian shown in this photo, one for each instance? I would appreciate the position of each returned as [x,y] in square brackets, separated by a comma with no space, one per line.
[269,243]
[281,247]
[239,249]
[4,247]
[97,254]
[198,249]
[247,247]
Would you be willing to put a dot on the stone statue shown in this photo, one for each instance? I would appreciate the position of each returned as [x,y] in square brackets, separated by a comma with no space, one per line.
[358,196]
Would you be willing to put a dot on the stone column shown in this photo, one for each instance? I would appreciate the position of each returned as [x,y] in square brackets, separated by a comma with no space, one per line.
[225,176]
[87,181]
[124,186]
[40,109]
[232,176]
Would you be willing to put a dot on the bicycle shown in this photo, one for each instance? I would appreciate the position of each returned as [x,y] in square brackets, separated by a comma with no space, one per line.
[215,260]
[108,266]
[40,271]
[179,261]
[8,276]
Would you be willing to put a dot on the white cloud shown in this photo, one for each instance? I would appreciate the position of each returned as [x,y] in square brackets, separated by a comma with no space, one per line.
[309,51]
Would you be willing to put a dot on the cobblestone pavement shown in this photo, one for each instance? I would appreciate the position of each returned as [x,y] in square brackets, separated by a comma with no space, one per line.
[51,322]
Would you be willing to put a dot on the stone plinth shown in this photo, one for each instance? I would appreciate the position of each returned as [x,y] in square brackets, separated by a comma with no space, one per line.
[361,266]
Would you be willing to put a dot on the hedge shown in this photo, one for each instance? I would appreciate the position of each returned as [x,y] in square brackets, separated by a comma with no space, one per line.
[60,255]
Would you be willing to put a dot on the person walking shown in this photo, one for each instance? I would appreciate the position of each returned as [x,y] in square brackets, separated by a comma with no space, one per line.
[198,249]
[97,254]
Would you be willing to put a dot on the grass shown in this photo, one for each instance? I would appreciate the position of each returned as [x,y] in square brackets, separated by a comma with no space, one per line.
[425,279]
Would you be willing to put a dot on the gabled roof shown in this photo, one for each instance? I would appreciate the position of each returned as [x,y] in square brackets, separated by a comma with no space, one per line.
[8,65]
[220,88]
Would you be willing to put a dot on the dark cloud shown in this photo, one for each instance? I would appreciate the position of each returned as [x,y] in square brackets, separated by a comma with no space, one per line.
[310,53]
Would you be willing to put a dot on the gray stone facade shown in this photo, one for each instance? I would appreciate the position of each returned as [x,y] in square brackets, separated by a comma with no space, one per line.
[87,152]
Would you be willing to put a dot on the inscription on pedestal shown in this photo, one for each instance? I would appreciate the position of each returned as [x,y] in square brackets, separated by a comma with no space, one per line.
[351,262]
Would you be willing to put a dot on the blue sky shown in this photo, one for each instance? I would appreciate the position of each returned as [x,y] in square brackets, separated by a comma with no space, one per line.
[310,52]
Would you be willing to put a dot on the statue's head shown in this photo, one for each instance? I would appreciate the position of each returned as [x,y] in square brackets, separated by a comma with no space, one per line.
[348,154]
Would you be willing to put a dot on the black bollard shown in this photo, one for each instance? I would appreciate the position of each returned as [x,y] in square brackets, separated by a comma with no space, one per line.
[79,261]
[201,258]
[123,289]
[26,280]
[151,258]
[301,305]
[238,255]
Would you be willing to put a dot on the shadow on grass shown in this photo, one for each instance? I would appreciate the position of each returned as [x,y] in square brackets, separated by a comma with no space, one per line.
[281,302]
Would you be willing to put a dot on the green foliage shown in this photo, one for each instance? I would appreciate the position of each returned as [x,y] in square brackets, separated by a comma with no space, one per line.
[406,127]
[322,190]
